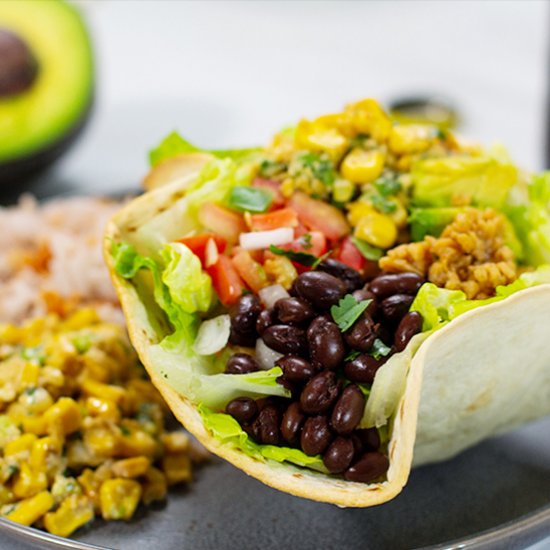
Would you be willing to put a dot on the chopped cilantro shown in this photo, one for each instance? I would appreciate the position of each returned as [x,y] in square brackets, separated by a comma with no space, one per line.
[34,355]
[124,430]
[249,199]
[368,251]
[352,355]
[302,258]
[387,185]
[269,168]
[306,239]
[82,343]
[382,204]
[348,311]
[322,169]
[379,349]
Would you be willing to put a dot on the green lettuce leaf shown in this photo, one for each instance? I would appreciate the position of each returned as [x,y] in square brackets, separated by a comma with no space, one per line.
[430,221]
[530,216]
[227,430]
[189,286]
[481,180]
[174,144]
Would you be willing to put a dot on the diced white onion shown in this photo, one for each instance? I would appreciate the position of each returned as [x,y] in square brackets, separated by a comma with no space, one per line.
[211,253]
[266,356]
[270,294]
[262,239]
[213,335]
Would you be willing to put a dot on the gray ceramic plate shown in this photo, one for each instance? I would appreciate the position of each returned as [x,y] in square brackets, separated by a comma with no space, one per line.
[496,495]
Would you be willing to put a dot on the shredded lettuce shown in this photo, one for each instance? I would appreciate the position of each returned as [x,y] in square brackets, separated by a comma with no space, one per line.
[227,430]
[530,216]
[174,144]
[483,180]
[183,291]
[189,286]
[439,305]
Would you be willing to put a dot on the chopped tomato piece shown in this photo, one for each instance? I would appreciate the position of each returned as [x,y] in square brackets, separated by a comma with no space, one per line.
[197,244]
[274,187]
[312,242]
[226,280]
[320,216]
[222,221]
[250,271]
[349,254]
[285,217]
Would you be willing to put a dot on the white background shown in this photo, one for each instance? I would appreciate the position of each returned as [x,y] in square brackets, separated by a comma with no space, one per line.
[231,73]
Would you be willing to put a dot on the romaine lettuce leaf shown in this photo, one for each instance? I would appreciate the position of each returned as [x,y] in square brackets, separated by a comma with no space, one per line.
[226,429]
[174,144]
[483,180]
[183,291]
[430,221]
[530,216]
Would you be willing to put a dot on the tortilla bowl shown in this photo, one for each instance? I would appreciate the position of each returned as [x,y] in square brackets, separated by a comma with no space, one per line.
[483,373]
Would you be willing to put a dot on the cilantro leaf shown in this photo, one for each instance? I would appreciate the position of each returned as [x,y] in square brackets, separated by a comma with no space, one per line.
[386,186]
[306,238]
[250,199]
[302,258]
[352,355]
[322,169]
[379,349]
[382,204]
[368,251]
[348,311]
[270,168]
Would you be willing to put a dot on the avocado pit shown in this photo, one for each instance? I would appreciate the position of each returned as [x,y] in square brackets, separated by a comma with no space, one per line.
[18,66]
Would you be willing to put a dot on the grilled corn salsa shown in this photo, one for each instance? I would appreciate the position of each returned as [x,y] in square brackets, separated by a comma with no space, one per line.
[82,429]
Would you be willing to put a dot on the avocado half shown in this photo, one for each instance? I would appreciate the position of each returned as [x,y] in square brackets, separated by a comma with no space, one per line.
[46,84]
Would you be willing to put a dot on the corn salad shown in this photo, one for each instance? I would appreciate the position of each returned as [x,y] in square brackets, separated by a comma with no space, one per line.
[82,429]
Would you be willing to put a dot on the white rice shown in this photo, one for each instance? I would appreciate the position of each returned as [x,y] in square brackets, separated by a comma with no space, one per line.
[72,230]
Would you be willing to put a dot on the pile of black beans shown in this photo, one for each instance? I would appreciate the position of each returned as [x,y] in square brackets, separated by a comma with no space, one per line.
[326,404]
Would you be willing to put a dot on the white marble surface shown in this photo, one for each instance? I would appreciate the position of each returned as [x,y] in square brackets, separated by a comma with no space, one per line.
[230,73]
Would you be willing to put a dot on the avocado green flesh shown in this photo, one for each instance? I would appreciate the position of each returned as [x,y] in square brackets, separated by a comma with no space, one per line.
[60,96]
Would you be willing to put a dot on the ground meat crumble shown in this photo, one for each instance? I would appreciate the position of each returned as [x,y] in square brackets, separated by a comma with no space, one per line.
[470,255]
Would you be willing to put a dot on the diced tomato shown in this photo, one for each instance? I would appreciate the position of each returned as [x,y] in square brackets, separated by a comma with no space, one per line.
[250,271]
[312,242]
[274,187]
[285,217]
[222,221]
[197,244]
[349,254]
[226,280]
[320,216]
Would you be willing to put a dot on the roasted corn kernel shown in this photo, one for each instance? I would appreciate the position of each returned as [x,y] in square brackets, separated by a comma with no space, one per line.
[361,166]
[30,509]
[377,229]
[73,512]
[411,138]
[131,467]
[119,498]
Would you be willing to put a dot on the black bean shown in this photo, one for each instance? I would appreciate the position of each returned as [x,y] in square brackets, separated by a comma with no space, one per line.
[266,318]
[320,289]
[291,426]
[395,283]
[364,294]
[326,346]
[245,313]
[362,369]
[348,411]
[348,275]
[242,409]
[241,363]
[368,468]
[266,426]
[285,339]
[316,435]
[410,325]
[394,307]
[296,369]
[320,393]
[369,439]
[362,334]
[293,310]
[244,339]
[339,455]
